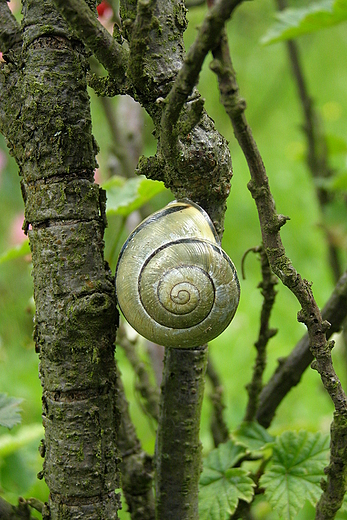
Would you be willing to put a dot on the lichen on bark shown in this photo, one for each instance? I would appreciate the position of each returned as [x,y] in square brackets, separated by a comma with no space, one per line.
[47,125]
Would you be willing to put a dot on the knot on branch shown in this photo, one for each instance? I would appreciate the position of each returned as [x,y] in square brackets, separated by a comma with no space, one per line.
[152,167]
[257,192]
[276,223]
[190,117]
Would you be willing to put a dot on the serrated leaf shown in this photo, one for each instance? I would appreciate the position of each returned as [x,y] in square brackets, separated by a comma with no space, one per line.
[9,411]
[222,485]
[219,499]
[18,251]
[252,435]
[296,471]
[127,195]
[292,23]
[224,457]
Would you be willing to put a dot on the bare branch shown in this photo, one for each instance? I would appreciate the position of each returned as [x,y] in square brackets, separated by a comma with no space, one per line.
[270,223]
[10,32]
[290,369]
[148,391]
[136,465]
[220,432]
[267,286]
[10,512]
[111,54]
[143,24]
[178,448]
[187,77]
[317,152]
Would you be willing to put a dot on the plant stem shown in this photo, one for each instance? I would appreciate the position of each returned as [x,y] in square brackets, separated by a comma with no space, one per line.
[290,369]
[267,285]
[178,451]
[270,224]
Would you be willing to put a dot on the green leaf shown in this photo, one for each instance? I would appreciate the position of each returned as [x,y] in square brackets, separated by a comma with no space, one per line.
[18,251]
[296,471]
[221,485]
[126,195]
[252,435]
[9,411]
[292,23]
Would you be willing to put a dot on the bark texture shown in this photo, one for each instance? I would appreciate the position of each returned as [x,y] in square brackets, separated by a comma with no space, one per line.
[178,446]
[48,128]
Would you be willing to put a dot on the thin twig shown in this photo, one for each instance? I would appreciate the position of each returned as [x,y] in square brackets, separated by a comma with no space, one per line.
[10,512]
[136,465]
[270,223]
[219,429]
[317,151]
[148,391]
[267,286]
[290,369]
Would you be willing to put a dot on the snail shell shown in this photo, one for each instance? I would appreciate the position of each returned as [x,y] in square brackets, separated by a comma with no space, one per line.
[174,283]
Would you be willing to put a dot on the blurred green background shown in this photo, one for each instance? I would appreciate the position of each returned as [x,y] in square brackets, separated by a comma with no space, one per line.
[275,116]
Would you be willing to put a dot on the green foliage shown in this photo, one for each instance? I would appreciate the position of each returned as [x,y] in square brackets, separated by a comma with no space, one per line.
[221,484]
[296,471]
[252,435]
[9,411]
[293,472]
[292,23]
[127,195]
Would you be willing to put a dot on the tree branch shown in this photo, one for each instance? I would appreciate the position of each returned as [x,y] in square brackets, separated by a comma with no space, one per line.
[290,369]
[75,308]
[136,465]
[10,31]
[178,447]
[317,153]
[148,391]
[267,286]
[84,23]
[270,223]
[143,24]
[10,512]
[220,432]
[207,39]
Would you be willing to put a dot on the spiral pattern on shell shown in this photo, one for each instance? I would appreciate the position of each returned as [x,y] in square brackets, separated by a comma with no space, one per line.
[174,283]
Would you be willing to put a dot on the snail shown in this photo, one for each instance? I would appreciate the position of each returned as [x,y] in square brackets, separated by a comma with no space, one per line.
[174,284]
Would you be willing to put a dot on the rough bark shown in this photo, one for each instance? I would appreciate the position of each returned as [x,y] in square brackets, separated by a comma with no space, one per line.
[47,125]
[178,449]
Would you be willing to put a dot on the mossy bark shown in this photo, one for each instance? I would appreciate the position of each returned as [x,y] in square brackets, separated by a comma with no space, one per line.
[178,450]
[47,125]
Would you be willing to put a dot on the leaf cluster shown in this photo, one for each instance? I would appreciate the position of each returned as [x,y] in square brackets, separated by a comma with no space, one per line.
[287,469]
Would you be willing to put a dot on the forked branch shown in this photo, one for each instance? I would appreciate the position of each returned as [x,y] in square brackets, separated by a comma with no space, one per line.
[270,223]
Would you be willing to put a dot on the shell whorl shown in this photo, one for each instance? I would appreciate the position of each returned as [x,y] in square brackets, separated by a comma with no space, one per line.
[174,283]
